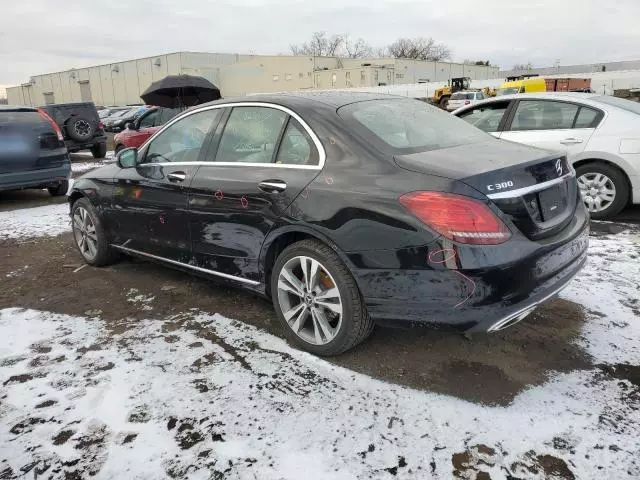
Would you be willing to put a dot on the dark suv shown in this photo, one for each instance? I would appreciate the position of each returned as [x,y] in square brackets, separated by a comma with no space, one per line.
[81,127]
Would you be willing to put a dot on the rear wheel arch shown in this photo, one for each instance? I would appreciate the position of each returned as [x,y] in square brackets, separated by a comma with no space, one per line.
[277,242]
[609,163]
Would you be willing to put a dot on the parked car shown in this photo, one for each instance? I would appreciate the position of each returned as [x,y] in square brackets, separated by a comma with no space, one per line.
[32,151]
[598,133]
[80,125]
[142,128]
[117,122]
[460,99]
[108,111]
[344,209]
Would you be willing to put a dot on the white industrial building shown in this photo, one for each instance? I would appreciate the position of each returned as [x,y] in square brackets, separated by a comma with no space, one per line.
[235,74]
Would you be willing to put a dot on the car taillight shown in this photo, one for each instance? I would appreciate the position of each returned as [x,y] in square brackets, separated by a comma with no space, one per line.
[458,218]
[54,125]
[100,126]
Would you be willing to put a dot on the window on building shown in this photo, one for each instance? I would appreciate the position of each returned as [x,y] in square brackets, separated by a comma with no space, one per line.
[288,77]
[347,79]
[399,75]
[301,75]
[334,77]
[363,77]
[389,76]
[318,83]
[276,78]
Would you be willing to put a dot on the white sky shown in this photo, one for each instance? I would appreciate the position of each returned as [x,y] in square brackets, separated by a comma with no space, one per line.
[40,36]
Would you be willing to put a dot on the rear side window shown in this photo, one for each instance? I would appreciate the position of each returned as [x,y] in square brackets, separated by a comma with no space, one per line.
[250,135]
[408,126]
[296,146]
[462,96]
[587,118]
[544,115]
[486,117]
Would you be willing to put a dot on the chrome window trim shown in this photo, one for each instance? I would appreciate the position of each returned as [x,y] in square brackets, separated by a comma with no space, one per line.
[186,265]
[322,156]
[533,188]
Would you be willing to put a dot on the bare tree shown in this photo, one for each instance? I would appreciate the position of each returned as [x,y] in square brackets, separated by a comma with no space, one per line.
[523,66]
[420,48]
[319,46]
[485,63]
[358,49]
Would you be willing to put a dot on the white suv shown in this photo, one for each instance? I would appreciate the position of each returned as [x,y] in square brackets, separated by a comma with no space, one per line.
[461,99]
[599,134]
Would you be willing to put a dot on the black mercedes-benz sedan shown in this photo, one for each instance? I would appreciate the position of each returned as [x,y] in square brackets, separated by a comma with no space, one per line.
[345,209]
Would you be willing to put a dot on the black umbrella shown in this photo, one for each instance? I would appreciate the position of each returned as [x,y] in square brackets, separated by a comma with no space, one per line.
[176,91]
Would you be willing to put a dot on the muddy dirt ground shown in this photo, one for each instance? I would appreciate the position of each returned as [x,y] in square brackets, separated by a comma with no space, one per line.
[490,369]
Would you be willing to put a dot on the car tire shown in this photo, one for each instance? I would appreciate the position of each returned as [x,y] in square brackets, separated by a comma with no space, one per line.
[443,102]
[605,176]
[347,329]
[89,235]
[59,190]
[79,128]
[99,150]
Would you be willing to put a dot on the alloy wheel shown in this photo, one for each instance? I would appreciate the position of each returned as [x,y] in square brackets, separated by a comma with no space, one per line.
[310,300]
[598,191]
[85,234]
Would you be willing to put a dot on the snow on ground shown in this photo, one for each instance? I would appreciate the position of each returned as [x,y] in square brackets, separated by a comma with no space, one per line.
[49,220]
[87,153]
[81,167]
[211,397]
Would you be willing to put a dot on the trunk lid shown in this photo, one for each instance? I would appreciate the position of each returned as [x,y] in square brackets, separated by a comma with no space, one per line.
[533,188]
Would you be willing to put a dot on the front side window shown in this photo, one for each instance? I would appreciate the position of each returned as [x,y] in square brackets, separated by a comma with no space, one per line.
[296,147]
[250,135]
[149,120]
[182,141]
[544,115]
[408,126]
[486,117]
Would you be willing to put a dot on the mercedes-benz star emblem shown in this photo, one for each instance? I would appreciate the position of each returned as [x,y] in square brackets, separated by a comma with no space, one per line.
[559,166]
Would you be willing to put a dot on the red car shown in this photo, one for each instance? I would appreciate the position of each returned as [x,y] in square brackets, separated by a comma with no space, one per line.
[143,127]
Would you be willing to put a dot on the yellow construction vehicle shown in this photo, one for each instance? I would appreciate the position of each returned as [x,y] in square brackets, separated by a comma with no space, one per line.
[442,94]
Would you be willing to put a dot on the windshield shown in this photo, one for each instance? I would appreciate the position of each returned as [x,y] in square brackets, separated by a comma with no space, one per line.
[409,126]
[628,105]
[506,91]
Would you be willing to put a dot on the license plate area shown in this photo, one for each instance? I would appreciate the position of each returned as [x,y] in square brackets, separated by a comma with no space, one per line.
[553,201]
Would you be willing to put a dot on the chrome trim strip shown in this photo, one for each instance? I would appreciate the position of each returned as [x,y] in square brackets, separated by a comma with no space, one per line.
[533,188]
[193,267]
[498,325]
[322,155]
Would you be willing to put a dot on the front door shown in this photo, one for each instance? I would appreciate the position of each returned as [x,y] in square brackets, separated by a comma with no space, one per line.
[151,200]
[559,126]
[262,160]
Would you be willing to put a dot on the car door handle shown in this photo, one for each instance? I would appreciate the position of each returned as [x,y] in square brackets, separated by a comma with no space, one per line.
[176,177]
[571,141]
[272,186]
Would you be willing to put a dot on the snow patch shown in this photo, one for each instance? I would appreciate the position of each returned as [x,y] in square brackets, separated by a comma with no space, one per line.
[49,220]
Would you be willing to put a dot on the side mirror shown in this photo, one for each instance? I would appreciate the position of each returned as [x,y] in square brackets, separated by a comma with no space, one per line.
[127,158]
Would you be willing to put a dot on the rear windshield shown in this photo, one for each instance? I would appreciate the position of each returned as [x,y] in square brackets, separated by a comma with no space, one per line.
[19,115]
[628,105]
[462,96]
[408,126]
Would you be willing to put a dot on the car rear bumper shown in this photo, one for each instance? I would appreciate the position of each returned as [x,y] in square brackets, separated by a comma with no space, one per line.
[41,177]
[73,146]
[486,299]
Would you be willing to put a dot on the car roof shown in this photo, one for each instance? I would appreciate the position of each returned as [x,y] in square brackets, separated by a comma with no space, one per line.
[13,108]
[335,99]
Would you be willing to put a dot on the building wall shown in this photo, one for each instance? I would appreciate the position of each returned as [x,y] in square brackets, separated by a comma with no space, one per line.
[235,74]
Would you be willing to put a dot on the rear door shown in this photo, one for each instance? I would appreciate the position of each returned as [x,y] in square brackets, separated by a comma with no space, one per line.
[559,126]
[489,117]
[150,201]
[261,160]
